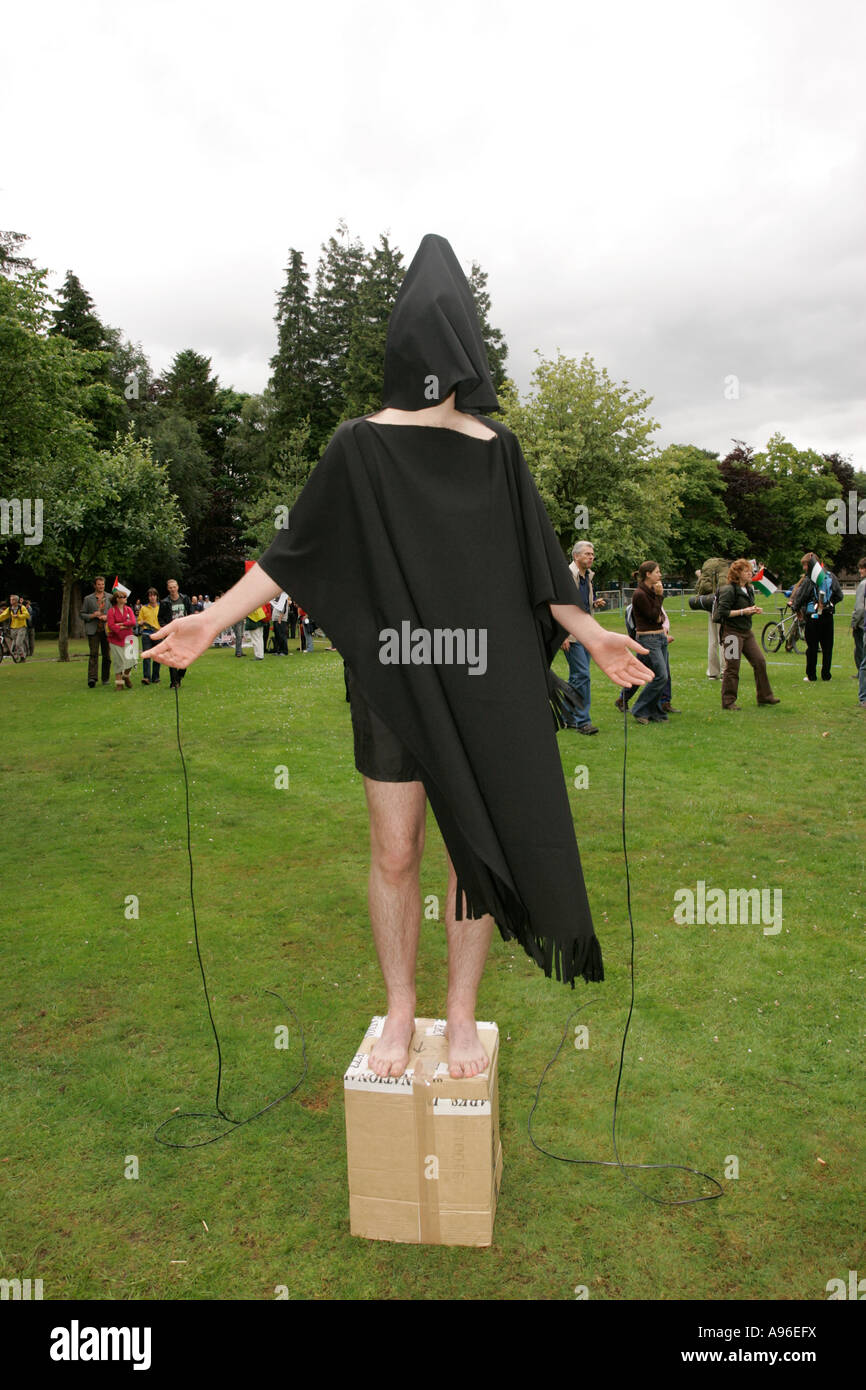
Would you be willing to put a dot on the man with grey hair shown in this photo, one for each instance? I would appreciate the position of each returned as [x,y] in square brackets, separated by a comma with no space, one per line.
[583,553]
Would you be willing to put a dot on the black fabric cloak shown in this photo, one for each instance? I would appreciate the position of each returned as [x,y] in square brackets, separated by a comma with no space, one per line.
[431,527]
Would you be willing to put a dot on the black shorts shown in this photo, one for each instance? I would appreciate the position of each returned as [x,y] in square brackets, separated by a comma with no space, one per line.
[379,754]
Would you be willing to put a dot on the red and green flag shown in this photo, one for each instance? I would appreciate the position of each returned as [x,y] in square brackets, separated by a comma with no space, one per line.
[763,584]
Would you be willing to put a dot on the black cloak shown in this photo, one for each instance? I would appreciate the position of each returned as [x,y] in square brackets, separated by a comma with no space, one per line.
[407,530]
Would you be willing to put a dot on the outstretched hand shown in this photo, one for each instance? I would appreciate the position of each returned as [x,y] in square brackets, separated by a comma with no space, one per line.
[613,653]
[182,640]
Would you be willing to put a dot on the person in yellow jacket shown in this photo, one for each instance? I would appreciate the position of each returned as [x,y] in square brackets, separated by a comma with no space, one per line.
[16,614]
[148,622]
[255,624]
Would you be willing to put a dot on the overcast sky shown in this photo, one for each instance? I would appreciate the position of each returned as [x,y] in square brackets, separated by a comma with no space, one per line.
[677,189]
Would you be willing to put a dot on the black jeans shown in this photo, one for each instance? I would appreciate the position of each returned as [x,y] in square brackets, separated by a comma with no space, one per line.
[98,641]
[819,633]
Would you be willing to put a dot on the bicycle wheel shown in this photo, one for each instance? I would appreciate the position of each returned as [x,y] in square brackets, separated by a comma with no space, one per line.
[771,637]
[799,643]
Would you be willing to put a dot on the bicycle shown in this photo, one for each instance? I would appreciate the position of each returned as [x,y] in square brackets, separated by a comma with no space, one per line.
[787,629]
[10,646]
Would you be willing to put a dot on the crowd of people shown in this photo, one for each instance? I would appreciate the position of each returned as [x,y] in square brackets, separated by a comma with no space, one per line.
[111,624]
[731,608]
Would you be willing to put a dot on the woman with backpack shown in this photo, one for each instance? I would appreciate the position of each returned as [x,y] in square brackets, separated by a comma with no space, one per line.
[735,607]
[815,603]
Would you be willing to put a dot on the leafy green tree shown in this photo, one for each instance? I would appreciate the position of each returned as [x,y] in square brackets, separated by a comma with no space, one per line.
[794,505]
[848,480]
[703,527]
[176,444]
[44,380]
[588,442]
[104,509]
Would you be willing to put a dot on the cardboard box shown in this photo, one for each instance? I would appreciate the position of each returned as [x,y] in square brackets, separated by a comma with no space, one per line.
[424,1156]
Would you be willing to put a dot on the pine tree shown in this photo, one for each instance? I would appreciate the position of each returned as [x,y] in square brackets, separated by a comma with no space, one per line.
[494,340]
[75,317]
[339,272]
[365,361]
[291,381]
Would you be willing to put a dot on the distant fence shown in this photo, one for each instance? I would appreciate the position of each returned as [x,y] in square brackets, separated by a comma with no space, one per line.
[615,600]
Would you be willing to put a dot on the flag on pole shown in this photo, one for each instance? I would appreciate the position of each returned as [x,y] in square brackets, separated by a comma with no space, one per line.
[763,584]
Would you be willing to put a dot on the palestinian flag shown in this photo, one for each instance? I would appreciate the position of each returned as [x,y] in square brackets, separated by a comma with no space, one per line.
[763,584]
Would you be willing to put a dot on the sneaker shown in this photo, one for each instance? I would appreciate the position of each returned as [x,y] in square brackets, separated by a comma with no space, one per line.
[773,700]
[640,719]
[587,728]
[91,684]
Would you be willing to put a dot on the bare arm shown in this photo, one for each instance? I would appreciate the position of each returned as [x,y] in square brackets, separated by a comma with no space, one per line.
[613,652]
[184,639]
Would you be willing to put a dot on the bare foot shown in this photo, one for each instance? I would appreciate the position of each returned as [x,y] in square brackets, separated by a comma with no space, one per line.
[466,1055]
[389,1055]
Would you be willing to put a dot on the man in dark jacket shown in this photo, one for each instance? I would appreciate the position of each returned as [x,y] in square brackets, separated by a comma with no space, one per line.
[174,605]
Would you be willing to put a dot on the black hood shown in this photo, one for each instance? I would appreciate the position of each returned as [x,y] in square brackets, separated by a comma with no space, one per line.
[434,341]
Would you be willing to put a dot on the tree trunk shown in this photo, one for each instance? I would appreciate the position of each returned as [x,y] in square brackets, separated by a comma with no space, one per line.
[63,634]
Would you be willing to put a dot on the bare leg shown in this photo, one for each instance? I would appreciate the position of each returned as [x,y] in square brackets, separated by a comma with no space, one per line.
[468,944]
[397,825]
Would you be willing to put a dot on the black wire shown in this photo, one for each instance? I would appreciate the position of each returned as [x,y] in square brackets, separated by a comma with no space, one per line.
[617,1162]
[219,1113]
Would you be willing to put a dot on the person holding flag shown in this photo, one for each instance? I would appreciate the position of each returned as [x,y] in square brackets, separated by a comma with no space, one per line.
[816,599]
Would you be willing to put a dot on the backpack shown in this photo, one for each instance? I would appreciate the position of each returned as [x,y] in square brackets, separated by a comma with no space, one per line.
[629,624]
[836,594]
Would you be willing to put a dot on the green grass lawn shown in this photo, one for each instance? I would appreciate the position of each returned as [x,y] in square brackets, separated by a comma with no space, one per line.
[742,1044]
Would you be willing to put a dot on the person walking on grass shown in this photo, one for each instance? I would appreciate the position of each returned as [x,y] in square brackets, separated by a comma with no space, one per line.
[94,615]
[646,608]
[148,623]
[121,626]
[583,554]
[736,609]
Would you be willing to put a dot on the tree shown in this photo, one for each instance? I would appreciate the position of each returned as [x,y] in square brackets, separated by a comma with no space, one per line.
[794,505]
[43,387]
[494,340]
[75,319]
[365,359]
[853,546]
[281,488]
[340,269]
[588,443]
[703,527]
[292,382]
[105,509]
[745,497]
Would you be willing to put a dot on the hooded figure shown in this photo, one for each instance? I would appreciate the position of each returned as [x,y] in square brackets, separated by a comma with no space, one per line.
[428,558]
